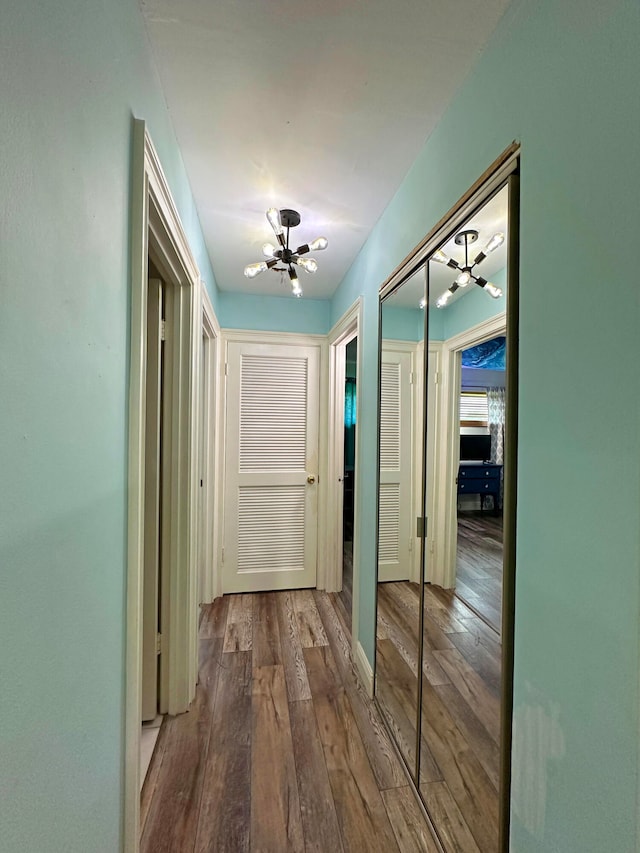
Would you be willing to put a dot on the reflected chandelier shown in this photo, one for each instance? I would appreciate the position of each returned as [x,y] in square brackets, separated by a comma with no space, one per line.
[466,276]
[282,254]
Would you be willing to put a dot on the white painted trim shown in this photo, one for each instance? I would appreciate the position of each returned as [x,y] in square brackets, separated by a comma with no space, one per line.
[448,430]
[212,586]
[364,669]
[477,334]
[154,216]
[279,338]
[347,328]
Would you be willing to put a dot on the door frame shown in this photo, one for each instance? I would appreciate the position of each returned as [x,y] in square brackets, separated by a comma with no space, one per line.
[448,428]
[210,583]
[156,228]
[343,332]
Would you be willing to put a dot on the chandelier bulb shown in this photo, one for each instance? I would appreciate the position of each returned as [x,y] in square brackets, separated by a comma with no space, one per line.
[492,290]
[273,215]
[440,257]
[318,244]
[444,299]
[494,242]
[268,250]
[308,264]
[464,278]
[252,270]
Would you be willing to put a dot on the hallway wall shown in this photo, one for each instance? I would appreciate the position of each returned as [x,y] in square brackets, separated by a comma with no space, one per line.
[73,76]
[562,79]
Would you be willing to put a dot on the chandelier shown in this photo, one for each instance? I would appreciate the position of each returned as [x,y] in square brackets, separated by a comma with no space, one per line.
[282,254]
[467,275]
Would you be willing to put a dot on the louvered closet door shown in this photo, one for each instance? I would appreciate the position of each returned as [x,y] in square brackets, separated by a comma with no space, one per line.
[271,508]
[395,518]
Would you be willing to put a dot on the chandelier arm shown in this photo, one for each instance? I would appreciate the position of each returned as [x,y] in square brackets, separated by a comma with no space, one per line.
[302,250]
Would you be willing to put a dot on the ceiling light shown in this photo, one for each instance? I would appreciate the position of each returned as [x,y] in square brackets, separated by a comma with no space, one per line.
[281,220]
[465,238]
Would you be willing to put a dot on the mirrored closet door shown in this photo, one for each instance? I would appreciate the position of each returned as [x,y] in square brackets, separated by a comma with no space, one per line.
[447,521]
[400,558]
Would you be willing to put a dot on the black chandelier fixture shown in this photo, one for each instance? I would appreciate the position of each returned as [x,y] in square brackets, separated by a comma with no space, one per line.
[467,275]
[282,255]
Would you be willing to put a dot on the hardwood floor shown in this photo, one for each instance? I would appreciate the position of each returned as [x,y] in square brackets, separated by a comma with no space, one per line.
[479,564]
[460,708]
[281,750]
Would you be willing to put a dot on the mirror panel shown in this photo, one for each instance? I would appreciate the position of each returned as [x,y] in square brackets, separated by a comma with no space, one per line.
[461,644]
[400,571]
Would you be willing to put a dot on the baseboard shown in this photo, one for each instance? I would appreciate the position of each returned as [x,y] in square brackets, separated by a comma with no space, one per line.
[364,669]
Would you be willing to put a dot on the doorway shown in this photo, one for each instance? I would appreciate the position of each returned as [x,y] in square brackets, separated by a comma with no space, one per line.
[157,234]
[480,498]
[348,475]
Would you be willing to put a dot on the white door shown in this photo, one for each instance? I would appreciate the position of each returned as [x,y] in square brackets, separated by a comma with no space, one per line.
[396,519]
[271,467]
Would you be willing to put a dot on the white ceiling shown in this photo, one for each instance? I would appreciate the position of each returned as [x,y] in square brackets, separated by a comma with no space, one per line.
[316,105]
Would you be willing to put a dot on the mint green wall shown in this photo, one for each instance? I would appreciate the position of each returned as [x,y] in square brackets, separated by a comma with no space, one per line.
[472,308]
[274,313]
[402,324]
[74,73]
[563,79]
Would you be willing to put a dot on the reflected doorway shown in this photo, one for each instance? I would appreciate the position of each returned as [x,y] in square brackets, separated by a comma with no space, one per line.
[348,474]
[479,552]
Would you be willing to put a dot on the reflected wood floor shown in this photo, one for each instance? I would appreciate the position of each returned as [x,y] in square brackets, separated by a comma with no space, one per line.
[281,750]
[461,708]
[479,564]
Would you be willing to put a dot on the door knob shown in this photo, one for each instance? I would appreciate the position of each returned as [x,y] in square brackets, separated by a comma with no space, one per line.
[311,479]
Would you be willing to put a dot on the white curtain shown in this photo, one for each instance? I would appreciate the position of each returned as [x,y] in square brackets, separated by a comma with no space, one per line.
[495,407]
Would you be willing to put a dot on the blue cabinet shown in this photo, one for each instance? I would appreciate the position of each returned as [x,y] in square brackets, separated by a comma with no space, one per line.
[480,478]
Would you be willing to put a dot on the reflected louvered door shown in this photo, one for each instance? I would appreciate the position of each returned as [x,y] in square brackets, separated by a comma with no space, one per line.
[394,554]
[271,511]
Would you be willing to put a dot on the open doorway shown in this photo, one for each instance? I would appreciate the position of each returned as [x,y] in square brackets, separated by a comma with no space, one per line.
[154,479]
[479,552]
[348,476]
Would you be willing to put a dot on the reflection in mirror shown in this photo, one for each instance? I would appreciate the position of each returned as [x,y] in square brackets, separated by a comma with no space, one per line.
[460,723]
[400,499]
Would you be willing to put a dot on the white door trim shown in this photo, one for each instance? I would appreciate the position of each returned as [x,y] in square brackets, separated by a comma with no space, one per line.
[448,431]
[330,568]
[344,331]
[212,582]
[156,224]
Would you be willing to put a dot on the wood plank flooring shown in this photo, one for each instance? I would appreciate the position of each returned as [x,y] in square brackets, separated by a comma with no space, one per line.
[479,564]
[460,709]
[281,750]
